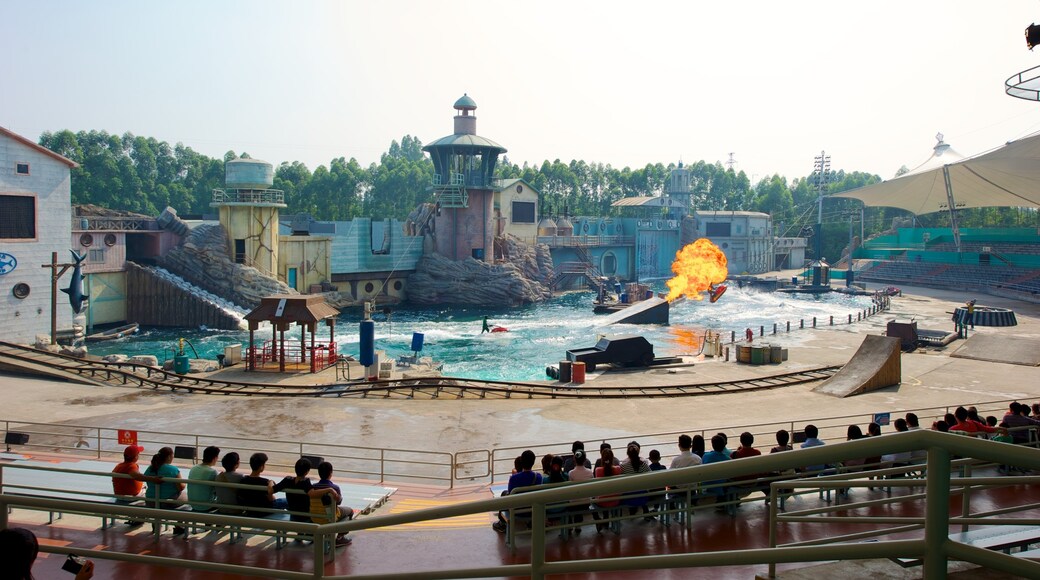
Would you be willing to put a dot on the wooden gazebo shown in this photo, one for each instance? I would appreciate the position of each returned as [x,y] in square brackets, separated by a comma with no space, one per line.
[282,310]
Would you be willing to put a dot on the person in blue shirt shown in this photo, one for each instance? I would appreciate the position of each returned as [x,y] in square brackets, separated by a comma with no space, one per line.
[717,453]
[812,439]
[162,468]
[525,477]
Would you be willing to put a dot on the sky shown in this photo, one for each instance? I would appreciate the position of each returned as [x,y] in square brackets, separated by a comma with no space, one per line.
[615,82]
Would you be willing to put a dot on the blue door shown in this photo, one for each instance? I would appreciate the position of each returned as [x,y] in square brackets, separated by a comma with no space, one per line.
[292,278]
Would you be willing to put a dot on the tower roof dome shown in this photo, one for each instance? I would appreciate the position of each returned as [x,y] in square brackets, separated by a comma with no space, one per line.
[465,103]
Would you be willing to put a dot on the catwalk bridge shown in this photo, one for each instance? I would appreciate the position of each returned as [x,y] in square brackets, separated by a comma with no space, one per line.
[23,359]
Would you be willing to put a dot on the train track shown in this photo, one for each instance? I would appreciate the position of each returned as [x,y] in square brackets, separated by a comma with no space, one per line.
[145,377]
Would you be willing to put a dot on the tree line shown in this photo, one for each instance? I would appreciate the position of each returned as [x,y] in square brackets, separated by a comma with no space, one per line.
[144,175]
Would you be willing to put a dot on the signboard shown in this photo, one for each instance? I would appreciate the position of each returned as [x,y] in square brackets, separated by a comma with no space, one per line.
[127,437]
[7,263]
[882,418]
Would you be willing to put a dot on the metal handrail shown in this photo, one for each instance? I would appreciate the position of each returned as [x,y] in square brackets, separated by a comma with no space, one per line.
[835,425]
[934,549]
[106,441]
[353,460]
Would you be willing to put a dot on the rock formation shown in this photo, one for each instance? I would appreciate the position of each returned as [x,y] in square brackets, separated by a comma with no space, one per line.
[521,278]
[202,259]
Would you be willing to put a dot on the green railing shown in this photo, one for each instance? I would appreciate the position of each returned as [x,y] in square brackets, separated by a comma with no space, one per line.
[934,548]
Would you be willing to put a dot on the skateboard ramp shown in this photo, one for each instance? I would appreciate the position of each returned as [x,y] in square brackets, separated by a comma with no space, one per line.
[875,365]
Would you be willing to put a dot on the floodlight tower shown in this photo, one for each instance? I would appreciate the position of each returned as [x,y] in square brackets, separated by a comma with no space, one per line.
[821,177]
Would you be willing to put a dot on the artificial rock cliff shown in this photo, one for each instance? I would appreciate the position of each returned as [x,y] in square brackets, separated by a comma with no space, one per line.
[202,259]
[521,277]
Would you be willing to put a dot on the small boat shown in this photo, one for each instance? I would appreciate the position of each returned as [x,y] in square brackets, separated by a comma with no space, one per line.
[113,333]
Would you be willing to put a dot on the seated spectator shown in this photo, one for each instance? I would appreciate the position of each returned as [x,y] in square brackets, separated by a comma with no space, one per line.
[697,446]
[1002,437]
[717,453]
[1036,410]
[200,494]
[749,483]
[812,439]
[655,460]
[546,464]
[555,475]
[783,442]
[686,456]
[580,472]
[950,419]
[261,494]
[874,461]
[300,503]
[526,477]
[18,550]
[898,459]
[325,471]
[725,450]
[161,468]
[599,462]
[917,456]
[1019,422]
[854,433]
[228,496]
[634,464]
[607,466]
[568,465]
[966,425]
[746,449]
[132,486]
[941,426]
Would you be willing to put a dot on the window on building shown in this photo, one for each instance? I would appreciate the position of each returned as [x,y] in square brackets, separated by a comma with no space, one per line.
[96,255]
[17,217]
[523,212]
[717,229]
[21,168]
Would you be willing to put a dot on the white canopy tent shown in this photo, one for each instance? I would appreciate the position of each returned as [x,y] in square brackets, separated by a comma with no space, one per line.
[1008,176]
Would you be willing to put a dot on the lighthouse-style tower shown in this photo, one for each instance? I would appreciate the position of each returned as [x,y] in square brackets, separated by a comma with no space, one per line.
[463,187]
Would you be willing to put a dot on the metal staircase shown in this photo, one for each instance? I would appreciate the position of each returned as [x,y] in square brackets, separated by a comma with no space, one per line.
[451,192]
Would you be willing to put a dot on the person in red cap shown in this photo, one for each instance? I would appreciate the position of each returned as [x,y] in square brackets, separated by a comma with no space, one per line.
[130,487]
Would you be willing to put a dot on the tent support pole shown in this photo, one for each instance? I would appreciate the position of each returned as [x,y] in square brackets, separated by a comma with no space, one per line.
[952,207]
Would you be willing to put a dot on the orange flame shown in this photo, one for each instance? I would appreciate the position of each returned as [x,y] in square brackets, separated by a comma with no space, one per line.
[697,267]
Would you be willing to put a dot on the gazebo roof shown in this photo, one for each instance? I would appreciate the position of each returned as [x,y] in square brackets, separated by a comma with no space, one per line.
[307,308]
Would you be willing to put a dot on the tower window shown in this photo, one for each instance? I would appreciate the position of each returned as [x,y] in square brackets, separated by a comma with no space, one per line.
[21,168]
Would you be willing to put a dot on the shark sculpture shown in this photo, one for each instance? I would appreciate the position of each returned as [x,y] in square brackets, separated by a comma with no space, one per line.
[75,289]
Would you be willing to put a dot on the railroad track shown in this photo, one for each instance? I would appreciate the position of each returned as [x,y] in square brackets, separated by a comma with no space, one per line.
[144,377]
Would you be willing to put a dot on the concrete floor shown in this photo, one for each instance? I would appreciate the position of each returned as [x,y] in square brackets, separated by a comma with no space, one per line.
[930,378]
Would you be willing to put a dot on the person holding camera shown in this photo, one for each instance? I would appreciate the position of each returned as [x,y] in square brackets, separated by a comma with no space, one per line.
[18,550]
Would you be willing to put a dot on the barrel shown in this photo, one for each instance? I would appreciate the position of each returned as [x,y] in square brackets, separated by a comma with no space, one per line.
[649,294]
[578,373]
[775,354]
[624,297]
[565,370]
[759,355]
[743,353]
[181,364]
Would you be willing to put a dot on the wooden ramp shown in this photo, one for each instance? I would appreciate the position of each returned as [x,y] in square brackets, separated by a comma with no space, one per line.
[874,366]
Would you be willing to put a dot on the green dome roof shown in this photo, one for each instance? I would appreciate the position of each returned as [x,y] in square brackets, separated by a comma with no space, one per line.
[465,142]
[465,102]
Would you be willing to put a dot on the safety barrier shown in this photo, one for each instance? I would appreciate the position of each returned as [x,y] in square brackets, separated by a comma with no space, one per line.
[933,548]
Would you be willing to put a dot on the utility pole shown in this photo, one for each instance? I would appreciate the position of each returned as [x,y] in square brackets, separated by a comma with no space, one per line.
[821,175]
[55,275]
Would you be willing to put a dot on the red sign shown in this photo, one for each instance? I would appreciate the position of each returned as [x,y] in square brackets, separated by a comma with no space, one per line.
[127,437]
